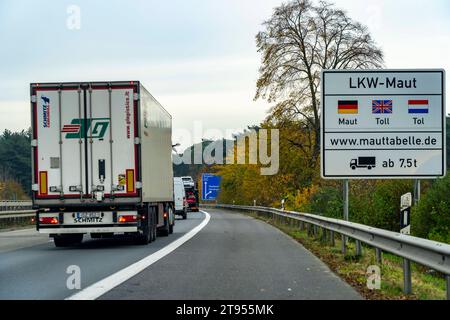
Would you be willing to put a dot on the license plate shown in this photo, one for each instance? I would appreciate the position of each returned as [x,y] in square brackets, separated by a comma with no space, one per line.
[88,217]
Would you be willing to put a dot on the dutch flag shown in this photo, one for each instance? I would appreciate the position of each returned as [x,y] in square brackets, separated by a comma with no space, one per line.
[418,106]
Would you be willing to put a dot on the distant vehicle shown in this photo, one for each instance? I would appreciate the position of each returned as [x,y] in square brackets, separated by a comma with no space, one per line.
[179,195]
[363,162]
[188,181]
[192,198]
[101,161]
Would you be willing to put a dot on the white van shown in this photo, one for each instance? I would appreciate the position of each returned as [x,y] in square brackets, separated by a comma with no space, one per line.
[179,196]
[188,182]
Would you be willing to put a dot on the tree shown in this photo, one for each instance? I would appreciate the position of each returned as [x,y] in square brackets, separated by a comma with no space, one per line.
[430,218]
[298,41]
[15,158]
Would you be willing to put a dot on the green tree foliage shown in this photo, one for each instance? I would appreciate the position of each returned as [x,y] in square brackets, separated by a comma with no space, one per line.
[448,142]
[15,158]
[431,217]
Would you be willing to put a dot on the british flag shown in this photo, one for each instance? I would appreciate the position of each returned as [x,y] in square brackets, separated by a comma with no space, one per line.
[382,106]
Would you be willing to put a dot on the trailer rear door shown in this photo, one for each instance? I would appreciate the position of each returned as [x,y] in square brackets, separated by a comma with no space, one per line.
[85,141]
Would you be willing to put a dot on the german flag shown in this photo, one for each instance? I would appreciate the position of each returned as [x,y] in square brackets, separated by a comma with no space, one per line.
[348,107]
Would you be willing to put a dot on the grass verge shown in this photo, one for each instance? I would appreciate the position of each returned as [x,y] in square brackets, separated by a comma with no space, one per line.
[426,284]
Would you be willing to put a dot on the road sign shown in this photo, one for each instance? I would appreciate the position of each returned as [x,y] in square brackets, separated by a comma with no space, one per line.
[210,186]
[383,124]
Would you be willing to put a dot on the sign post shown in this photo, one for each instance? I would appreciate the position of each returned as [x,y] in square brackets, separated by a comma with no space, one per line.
[346,218]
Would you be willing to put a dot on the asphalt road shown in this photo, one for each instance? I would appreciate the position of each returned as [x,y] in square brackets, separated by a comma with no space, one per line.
[233,257]
[36,269]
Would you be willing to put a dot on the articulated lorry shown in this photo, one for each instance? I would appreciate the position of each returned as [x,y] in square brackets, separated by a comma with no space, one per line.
[101,161]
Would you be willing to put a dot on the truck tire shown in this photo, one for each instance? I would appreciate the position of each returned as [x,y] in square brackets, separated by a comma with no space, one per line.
[171,227]
[165,231]
[153,225]
[171,217]
[62,241]
[146,236]
[184,215]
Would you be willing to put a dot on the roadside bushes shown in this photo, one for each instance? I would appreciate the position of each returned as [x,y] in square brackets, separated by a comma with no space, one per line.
[374,203]
[386,204]
[327,201]
[431,217]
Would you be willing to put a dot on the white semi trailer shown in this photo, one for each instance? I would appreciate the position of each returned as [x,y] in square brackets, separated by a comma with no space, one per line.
[101,161]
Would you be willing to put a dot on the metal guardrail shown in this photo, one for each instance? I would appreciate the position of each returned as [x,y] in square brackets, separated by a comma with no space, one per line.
[12,205]
[432,254]
[14,217]
[17,214]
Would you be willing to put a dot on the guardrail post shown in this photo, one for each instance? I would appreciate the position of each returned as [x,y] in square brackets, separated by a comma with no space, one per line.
[332,238]
[324,235]
[358,248]
[407,286]
[315,231]
[344,238]
[343,245]
[379,255]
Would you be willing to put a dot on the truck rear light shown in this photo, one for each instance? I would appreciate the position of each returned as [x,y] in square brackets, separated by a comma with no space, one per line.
[43,187]
[130,181]
[48,220]
[165,215]
[126,219]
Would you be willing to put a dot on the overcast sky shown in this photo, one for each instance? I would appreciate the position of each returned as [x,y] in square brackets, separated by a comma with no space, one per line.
[197,57]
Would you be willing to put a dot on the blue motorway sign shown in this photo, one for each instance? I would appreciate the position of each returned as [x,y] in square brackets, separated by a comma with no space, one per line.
[210,186]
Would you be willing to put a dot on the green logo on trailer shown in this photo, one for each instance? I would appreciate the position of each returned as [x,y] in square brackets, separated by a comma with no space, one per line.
[78,127]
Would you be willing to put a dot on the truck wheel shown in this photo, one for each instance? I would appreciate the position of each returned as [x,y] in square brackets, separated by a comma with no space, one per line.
[146,236]
[184,215]
[154,226]
[144,239]
[171,216]
[165,231]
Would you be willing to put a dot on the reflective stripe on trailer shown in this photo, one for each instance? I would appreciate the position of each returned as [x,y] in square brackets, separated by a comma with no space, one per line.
[87,230]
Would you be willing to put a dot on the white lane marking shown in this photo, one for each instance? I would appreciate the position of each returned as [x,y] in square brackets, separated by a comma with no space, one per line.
[98,289]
